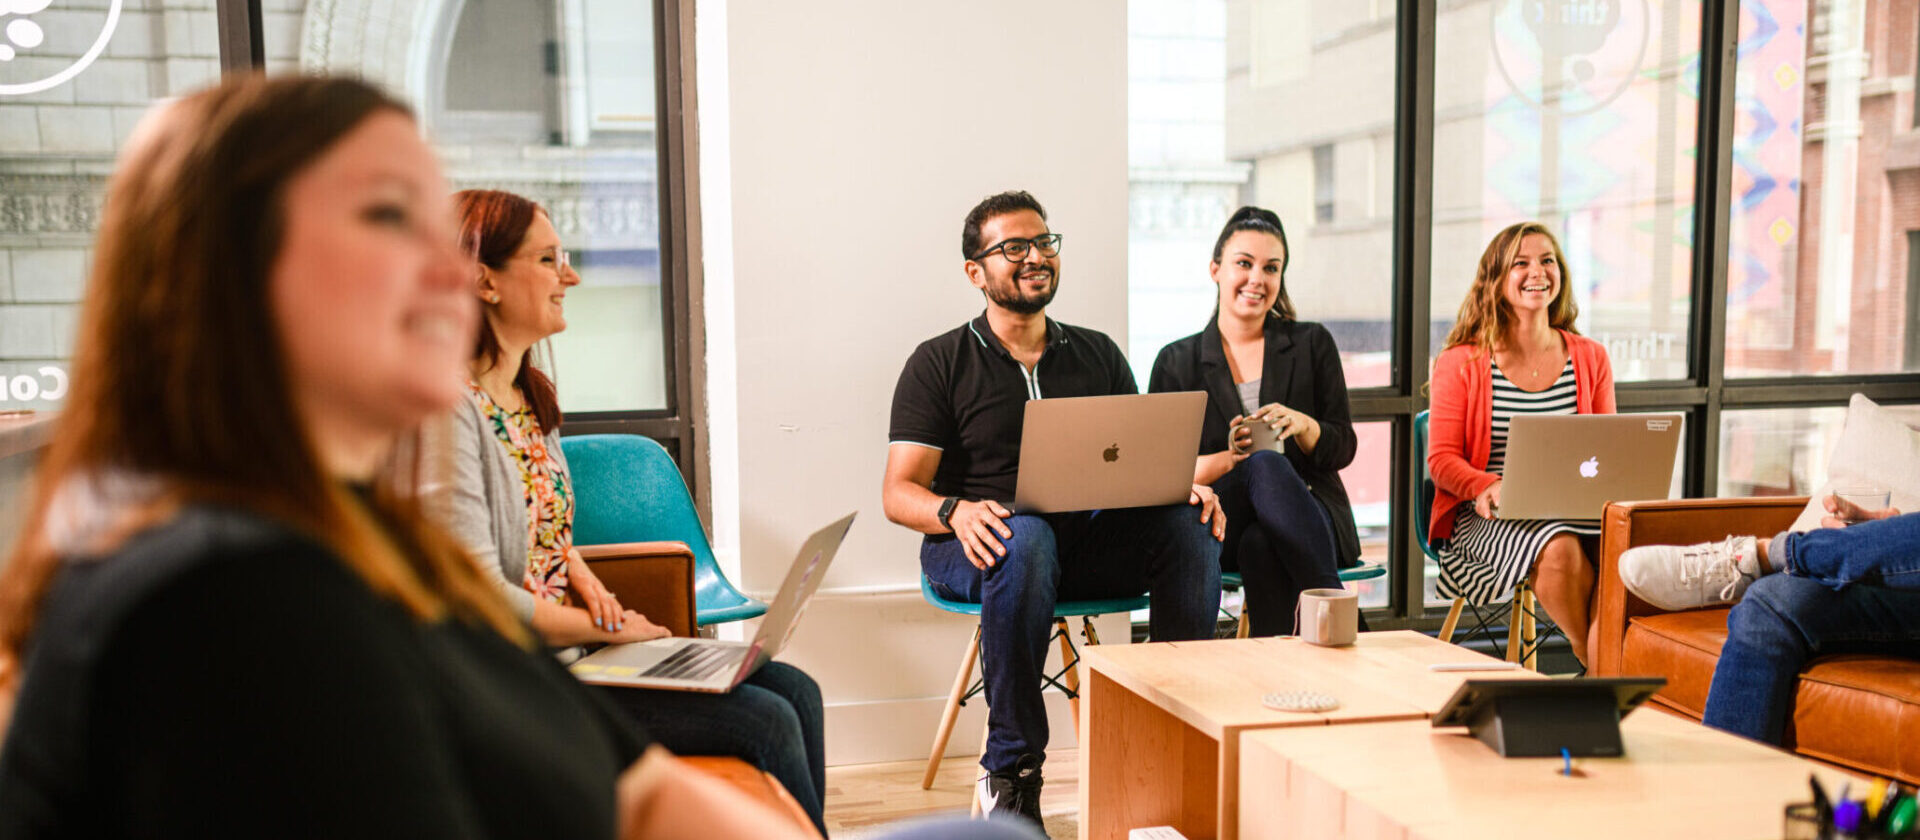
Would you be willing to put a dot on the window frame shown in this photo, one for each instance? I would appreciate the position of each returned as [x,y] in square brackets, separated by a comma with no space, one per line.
[1704,395]
[681,425]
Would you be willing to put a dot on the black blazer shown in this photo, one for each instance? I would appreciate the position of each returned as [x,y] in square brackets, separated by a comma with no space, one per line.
[1302,371]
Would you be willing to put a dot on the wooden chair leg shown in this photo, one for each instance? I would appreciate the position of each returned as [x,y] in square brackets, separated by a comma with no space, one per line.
[1244,628]
[1087,629]
[973,794]
[960,682]
[1529,637]
[1513,626]
[1068,661]
[1453,619]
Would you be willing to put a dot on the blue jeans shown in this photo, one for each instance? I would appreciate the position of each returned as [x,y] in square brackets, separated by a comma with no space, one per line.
[774,720]
[1279,538]
[1844,590]
[1072,557]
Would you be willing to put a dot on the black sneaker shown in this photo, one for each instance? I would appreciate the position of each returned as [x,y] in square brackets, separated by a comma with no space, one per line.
[1015,793]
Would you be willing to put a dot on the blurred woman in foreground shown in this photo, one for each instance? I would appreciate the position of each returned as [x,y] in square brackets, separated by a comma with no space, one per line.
[215,623]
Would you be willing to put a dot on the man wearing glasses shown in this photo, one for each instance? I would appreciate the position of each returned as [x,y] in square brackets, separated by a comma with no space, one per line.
[952,457]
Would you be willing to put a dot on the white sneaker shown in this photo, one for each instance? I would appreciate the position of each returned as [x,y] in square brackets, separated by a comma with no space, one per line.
[1683,577]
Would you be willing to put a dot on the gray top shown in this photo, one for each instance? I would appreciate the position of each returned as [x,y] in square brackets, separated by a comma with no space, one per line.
[1249,396]
[488,504]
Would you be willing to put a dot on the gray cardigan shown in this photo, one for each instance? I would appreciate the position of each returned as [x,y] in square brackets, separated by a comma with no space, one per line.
[488,503]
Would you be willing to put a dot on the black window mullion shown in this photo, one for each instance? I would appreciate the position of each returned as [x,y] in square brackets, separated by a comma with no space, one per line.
[242,45]
[1713,190]
[1414,37]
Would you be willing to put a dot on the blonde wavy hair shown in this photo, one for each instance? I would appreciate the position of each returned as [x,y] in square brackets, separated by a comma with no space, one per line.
[1486,319]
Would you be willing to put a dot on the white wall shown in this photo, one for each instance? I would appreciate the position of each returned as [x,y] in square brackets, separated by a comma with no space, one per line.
[858,134]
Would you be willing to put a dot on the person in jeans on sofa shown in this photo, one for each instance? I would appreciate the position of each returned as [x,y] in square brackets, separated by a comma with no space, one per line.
[1850,586]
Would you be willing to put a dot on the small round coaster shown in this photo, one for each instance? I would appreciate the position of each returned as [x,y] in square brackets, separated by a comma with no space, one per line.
[1300,701]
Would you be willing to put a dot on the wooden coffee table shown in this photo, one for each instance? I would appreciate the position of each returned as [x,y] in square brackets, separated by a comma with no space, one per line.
[1161,723]
[1405,779]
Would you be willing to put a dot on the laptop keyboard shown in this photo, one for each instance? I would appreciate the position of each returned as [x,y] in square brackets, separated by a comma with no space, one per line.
[697,662]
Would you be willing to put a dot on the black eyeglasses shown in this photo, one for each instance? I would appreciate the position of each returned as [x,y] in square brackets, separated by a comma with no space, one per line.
[1015,250]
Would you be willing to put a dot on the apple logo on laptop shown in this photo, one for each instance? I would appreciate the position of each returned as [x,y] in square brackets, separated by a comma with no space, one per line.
[1590,467]
[1111,454]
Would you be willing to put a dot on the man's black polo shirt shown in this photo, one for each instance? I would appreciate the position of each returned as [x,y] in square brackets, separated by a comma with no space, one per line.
[963,394]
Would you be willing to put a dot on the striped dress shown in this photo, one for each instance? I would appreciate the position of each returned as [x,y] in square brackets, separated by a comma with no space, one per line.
[1487,558]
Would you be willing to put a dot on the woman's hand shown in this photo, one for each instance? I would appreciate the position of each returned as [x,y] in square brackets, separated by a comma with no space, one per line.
[1239,438]
[635,627]
[593,595]
[1488,501]
[1290,423]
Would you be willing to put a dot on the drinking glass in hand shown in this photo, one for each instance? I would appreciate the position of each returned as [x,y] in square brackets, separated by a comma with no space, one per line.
[1866,496]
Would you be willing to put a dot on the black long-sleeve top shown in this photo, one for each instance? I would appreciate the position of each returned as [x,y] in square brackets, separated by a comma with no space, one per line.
[1300,370]
[221,676]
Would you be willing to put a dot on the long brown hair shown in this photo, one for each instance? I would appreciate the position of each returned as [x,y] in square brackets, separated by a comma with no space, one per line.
[179,372]
[1486,319]
[493,223]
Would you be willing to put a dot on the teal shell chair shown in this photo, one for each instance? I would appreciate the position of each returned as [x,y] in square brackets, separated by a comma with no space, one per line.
[1523,641]
[1067,679]
[627,489]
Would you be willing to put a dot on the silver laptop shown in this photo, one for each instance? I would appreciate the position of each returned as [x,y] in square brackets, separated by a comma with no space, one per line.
[1570,466]
[1093,453]
[712,665]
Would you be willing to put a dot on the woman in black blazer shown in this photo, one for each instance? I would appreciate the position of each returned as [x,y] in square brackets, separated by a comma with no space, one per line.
[1289,524]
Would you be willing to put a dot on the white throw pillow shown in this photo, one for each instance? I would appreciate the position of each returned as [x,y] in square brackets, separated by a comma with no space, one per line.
[1876,446]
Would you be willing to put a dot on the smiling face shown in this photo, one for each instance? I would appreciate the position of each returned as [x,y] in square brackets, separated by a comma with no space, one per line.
[368,292]
[1532,282]
[531,286]
[1249,274]
[1027,286]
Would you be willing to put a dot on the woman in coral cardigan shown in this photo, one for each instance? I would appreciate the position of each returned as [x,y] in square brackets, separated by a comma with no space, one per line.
[1514,350]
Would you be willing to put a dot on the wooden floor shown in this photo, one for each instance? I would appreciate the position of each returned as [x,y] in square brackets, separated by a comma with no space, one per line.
[861,796]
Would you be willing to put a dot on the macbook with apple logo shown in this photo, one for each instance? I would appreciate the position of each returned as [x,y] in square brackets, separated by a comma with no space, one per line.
[1096,453]
[1569,466]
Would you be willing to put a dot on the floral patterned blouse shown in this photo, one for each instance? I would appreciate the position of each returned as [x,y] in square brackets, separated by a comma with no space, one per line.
[549,493]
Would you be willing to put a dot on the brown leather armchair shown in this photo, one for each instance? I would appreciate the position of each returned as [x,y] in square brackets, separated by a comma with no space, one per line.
[1860,712]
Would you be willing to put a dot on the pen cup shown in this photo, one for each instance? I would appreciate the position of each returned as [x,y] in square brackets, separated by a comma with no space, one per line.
[1801,821]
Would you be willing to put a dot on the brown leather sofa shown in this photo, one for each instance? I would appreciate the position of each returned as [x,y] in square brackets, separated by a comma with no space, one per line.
[1859,712]
[656,579]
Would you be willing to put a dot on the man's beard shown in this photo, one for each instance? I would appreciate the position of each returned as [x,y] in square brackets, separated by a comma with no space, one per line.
[1013,300]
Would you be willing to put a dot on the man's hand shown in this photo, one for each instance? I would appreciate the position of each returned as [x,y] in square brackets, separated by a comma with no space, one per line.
[1488,501]
[1209,504]
[1842,513]
[980,529]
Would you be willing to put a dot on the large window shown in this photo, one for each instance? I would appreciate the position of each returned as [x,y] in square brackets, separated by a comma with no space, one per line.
[73,81]
[1732,184]
[554,99]
[1823,210]
[1581,116]
[559,100]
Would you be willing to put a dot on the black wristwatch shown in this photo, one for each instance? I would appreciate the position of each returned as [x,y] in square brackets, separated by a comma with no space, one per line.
[946,511]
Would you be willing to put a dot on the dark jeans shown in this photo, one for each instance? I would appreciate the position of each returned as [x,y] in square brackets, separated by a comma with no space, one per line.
[1072,557]
[1279,538]
[1845,590]
[773,720]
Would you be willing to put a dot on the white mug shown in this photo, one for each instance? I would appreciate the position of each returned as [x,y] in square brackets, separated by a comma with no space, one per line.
[1328,616]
